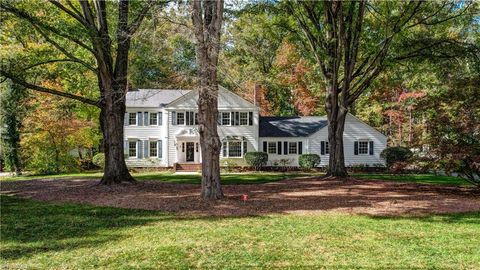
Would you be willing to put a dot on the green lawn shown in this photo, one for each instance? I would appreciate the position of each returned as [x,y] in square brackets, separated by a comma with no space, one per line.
[40,235]
[232,178]
[252,177]
[415,178]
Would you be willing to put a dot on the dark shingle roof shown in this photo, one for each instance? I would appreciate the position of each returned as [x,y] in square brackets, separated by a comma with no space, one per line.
[292,126]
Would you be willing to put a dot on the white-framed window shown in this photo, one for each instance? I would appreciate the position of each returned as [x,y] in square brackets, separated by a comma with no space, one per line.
[226,121]
[153,118]
[180,118]
[132,119]
[327,148]
[190,118]
[234,148]
[292,148]
[132,149]
[272,147]
[153,149]
[244,118]
[363,147]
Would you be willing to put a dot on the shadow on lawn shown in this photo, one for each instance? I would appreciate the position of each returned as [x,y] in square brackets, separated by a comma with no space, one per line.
[30,227]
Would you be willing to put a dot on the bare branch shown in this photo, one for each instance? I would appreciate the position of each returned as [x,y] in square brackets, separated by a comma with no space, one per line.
[133,27]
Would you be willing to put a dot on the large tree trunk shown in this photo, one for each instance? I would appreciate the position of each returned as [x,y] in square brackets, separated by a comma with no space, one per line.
[115,171]
[336,126]
[209,142]
[207,17]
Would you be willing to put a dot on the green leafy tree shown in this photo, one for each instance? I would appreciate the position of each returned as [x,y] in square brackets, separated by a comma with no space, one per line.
[11,114]
[93,35]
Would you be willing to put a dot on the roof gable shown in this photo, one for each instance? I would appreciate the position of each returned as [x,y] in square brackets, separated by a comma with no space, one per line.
[153,98]
[226,100]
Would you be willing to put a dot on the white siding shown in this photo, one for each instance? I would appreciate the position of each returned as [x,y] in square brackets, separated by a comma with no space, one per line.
[147,133]
[293,158]
[354,130]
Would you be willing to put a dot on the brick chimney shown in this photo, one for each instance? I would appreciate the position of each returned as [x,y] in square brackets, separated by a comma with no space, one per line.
[256,95]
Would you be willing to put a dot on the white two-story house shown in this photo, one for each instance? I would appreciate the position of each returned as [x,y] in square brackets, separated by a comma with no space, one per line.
[161,131]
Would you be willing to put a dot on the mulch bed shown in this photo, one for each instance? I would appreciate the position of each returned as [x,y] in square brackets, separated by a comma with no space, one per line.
[303,195]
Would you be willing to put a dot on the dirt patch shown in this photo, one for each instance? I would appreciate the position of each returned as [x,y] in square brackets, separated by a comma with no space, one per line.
[306,196]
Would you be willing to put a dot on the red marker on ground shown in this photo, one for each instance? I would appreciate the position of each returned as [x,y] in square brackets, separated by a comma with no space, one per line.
[244,197]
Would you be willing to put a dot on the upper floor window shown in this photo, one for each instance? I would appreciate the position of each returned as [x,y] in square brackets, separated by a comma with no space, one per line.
[226,121]
[363,147]
[327,148]
[180,118]
[153,119]
[132,119]
[244,118]
[190,118]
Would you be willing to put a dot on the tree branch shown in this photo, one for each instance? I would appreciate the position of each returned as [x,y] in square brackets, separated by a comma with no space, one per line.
[133,27]
[42,89]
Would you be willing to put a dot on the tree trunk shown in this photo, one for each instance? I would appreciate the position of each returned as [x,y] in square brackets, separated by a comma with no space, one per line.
[111,122]
[336,126]
[207,17]
[210,143]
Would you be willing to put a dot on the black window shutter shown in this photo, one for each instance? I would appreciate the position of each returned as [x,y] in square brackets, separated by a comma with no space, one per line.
[139,119]
[237,118]
[300,148]
[245,148]
[174,118]
[265,147]
[355,148]
[279,148]
[371,147]
[232,119]
[160,118]
[285,148]
[145,119]
[219,119]
[322,147]
[250,118]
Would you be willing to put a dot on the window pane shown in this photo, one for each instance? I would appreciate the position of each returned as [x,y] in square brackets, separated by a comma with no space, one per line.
[363,147]
[180,118]
[234,149]
[243,118]
[272,147]
[153,149]
[225,119]
[132,118]
[327,148]
[153,119]
[292,147]
[132,149]
[190,118]
[224,149]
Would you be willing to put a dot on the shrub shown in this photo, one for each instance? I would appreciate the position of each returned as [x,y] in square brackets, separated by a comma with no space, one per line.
[99,160]
[396,154]
[309,161]
[256,159]
[228,164]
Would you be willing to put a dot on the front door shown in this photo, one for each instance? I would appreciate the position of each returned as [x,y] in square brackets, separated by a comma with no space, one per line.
[190,154]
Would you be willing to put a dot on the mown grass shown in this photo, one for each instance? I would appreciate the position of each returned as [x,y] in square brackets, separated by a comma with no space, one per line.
[251,178]
[226,178]
[415,178]
[41,235]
